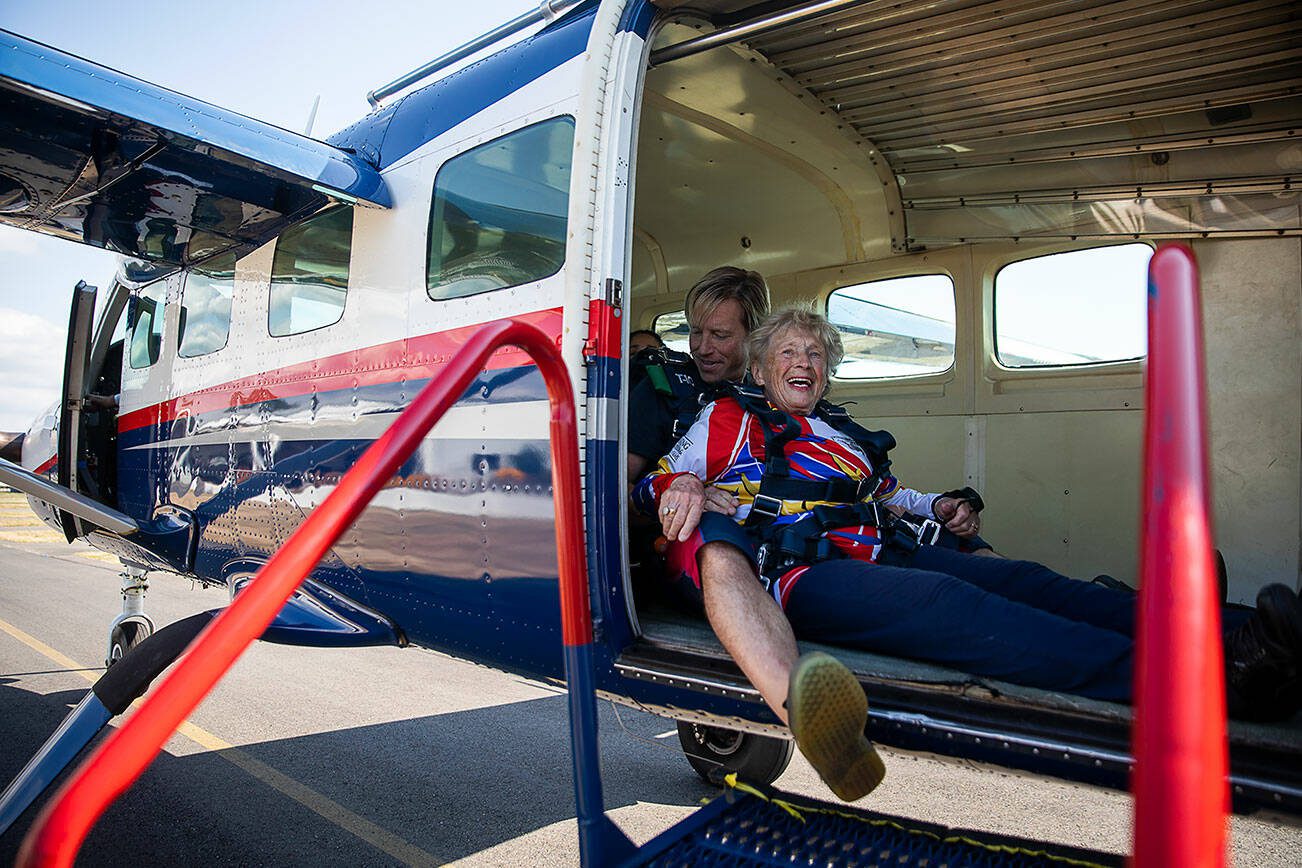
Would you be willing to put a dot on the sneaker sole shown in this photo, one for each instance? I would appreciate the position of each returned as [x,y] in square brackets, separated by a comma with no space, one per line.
[828,712]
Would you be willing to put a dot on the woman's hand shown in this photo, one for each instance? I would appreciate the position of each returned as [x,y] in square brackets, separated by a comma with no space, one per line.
[958,516]
[718,500]
[681,506]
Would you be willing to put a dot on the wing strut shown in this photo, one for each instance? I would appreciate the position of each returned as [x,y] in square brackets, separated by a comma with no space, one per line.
[69,501]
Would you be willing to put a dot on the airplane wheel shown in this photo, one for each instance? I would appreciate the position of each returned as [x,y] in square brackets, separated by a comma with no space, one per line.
[715,752]
[124,637]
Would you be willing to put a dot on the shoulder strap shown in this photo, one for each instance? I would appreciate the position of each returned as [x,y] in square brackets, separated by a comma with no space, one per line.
[875,444]
[662,366]
[779,428]
[674,378]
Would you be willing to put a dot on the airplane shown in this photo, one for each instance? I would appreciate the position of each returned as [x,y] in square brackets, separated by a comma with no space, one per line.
[970,190]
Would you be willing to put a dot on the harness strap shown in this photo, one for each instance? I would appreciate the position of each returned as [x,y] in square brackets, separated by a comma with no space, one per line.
[802,541]
[688,407]
[674,378]
[875,444]
[777,484]
[820,490]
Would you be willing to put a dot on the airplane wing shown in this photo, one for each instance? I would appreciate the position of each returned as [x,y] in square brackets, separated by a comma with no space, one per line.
[97,156]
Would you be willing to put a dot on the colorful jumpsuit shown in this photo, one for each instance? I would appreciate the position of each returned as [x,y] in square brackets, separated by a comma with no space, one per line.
[1013,620]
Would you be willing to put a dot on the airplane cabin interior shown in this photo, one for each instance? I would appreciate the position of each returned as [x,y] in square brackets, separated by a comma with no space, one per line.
[973,202]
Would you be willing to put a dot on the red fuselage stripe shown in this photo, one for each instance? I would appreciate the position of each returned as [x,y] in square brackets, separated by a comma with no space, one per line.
[415,358]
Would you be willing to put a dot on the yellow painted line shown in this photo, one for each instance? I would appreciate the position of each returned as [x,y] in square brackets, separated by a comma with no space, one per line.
[99,556]
[15,520]
[30,536]
[41,648]
[323,806]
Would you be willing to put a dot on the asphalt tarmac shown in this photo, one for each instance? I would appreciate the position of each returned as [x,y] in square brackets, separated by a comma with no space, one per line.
[386,756]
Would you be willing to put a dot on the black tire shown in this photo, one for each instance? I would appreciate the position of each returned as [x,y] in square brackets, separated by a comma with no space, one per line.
[124,637]
[715,752]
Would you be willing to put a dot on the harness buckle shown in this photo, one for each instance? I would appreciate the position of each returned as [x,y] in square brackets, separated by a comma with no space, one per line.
[763,563]
[765,506]
[929,532]
[909,535]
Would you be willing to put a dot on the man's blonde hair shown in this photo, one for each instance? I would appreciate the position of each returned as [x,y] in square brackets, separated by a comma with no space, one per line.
[728,283]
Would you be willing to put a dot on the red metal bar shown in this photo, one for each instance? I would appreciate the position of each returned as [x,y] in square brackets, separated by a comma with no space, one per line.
[1181,794]
[58,832]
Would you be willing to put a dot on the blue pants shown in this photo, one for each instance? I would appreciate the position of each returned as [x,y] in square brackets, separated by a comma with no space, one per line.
[1016,621]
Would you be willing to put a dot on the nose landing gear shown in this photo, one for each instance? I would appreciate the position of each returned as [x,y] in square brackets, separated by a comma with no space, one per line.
[133,626]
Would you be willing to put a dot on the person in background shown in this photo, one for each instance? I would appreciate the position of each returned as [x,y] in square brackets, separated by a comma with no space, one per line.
[643,339]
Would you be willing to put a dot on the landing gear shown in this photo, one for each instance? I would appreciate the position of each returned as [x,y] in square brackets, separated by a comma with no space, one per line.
[133,626]
[715,752]
[123,638]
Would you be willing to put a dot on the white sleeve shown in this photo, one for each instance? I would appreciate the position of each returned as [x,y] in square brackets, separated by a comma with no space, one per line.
[916,502]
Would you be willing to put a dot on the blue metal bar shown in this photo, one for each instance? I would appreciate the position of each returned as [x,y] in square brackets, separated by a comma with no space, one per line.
[601,842]
[76,731]
[547,11]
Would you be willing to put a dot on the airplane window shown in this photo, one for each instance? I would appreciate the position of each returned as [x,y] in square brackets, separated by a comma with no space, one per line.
[672,328]
[309,274]
[145,320]
[1076,308]
[499,212]
[899,327]
[205,320]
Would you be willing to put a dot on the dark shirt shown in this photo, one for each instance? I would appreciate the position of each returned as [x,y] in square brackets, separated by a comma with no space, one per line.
[651,414]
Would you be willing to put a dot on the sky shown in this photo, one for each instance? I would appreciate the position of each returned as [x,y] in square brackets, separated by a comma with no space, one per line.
[265,60]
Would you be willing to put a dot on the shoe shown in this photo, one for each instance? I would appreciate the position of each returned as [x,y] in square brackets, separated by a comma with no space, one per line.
[828,713]
[1262,658]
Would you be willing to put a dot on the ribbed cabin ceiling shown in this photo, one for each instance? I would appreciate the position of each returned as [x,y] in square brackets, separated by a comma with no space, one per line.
[1058,118]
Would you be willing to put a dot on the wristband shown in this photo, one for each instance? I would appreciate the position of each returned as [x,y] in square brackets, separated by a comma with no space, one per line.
[966,493]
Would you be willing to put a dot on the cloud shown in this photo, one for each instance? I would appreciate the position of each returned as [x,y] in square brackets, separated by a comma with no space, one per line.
[31,366]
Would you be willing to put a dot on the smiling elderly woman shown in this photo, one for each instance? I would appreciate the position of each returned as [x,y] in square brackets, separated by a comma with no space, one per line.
[846,573]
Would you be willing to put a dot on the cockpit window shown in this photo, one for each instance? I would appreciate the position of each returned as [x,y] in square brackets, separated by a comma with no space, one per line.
[145,321]
[499,212]
[205,320]
[309,274]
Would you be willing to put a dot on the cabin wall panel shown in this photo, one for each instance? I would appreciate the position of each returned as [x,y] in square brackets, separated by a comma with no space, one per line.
[929,456]
[1252,308]
[1063,489]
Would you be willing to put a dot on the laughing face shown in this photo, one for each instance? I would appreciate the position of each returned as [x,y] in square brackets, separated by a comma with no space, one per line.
[794,372]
